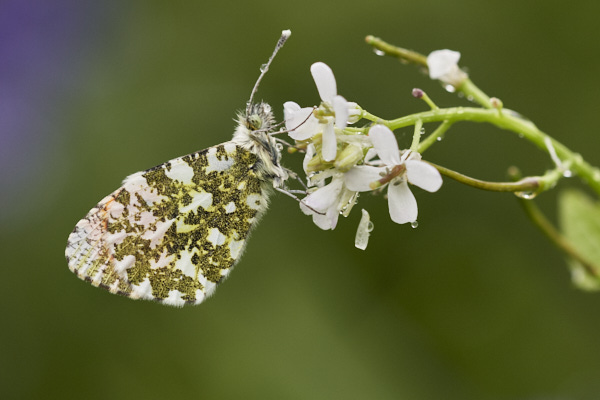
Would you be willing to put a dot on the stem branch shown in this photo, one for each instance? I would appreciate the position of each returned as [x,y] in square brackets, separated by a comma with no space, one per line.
[539,220]
[390,50]
[529,184]
[508,120]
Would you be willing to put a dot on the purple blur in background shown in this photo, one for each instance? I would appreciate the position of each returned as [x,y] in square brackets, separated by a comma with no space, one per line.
[44,50]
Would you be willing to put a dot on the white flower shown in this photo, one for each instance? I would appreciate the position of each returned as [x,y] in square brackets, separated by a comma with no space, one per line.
[443,65]
[399,170]
[326,203]
[302,123]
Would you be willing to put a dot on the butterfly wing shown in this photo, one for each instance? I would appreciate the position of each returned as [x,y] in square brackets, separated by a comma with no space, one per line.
[173,232]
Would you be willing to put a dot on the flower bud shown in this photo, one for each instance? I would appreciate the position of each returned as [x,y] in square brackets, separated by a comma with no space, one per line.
[348,158]
[417,93]
[443,65]
[355,112]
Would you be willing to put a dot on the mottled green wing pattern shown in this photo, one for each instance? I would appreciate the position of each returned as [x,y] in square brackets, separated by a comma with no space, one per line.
[173,232]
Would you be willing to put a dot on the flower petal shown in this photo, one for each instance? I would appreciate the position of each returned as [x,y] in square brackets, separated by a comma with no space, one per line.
[371,153]
[442,62]
[385,144]
[324,221]
[423,175]
[402,203]
[340,107]
[358,178]
[290,107]
[299,121]
[329,149]
[333,215]
[322,204]
[310,153]
[325,81]
[365,226]
[305,209]
[323,198]
[291,111]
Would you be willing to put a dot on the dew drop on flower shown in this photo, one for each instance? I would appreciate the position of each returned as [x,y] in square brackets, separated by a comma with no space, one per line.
[422,131]
[567,173]
[440,138]
[370,226]
[264,67]
[414,224]
[379,52]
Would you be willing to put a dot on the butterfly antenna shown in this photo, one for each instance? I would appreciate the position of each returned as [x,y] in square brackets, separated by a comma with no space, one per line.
[265,67]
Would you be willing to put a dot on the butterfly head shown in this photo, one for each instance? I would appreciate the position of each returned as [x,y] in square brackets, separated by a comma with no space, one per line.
[258,117]
[254,130]
[253,133]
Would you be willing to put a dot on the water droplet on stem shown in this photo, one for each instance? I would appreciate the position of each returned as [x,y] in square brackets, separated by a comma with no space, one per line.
[450,88]
[526,195]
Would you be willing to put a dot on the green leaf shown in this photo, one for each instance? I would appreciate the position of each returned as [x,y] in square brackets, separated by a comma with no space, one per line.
[579,219]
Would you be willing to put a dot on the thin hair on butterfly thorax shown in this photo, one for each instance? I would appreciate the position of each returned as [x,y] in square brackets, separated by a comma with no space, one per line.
[265,67]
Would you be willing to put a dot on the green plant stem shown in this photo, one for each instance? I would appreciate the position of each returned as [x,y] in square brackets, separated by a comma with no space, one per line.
[472,92]
[529,184]
[398,52]
[429,102]
[435,135]
[416,135]
[494,113]
[508,120]
[368,116]
[536,216]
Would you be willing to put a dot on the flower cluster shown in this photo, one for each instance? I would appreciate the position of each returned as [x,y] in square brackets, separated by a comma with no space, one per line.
[340,163]
[334,112]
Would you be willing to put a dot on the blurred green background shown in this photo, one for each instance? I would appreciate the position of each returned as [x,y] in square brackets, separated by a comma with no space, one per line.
[473,304]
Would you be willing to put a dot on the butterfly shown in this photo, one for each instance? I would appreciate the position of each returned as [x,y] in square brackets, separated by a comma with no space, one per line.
[172,233]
